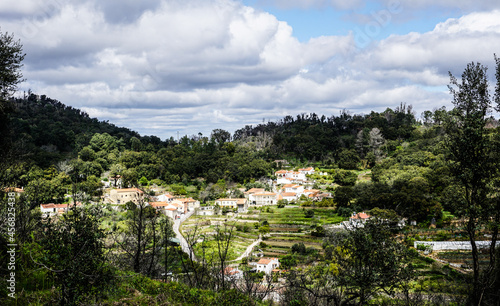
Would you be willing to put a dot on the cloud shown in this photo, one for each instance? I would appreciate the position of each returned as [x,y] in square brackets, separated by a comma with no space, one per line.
[159,67]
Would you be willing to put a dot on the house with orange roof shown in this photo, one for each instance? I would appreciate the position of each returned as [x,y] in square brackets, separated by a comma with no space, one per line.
[280,173]
[167,197]
[267,265]
[231,273]
[286,177]
[309,170]
[359,219]
[168,209]
[182,207]
[249,194]
[289,196]
[190,203]
[293,188]
[51,209]
[240,203]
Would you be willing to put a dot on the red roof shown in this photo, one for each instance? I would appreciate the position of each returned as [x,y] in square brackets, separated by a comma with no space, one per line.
[361,215]
[158,204]
[254,190]
[265,261]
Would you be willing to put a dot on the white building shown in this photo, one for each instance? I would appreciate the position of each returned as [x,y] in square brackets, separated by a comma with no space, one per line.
[241,204]
[265,198]
[267,265]
[51,209]
[190,203]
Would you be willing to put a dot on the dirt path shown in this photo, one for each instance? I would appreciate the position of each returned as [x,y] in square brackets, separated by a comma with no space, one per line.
[248,250]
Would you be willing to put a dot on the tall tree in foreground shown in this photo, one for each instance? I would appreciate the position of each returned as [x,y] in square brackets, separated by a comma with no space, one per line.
[75,254]
[11,57]
[470,156]
[360,265]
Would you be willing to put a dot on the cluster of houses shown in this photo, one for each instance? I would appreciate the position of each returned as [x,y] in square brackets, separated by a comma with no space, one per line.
[289,185]
[166,204]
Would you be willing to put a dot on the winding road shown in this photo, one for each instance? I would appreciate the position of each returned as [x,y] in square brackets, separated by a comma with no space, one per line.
[184,244]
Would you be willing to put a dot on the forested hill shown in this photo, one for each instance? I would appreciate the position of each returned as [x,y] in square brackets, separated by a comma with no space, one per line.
[314,138]
[49,122]
[52,130]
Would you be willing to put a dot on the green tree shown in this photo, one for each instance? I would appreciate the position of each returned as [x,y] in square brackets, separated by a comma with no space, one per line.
[11,57]
[75,254]
[348,159]
[369,260]
[87,154]
[469,154]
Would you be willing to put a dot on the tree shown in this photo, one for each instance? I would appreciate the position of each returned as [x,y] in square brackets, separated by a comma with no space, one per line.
[142,238]
[348,159]
[116,170]
[470,160]
[376,141]
[11,57]
[75,254]
[368,260]
[220,136]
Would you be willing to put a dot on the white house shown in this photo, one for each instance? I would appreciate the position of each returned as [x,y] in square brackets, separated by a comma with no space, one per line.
[359,219]
[267,265]
[265,198]
[283,181]
[241,204]
[309,170]
[51,209]
[167,197]
[182,207]
[205,211]
[249,194]
[190,203]
[289,196]
[169,209]
[298,189]
[291,175]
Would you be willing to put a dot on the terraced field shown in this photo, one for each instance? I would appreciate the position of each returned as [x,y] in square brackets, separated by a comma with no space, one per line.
[287,226]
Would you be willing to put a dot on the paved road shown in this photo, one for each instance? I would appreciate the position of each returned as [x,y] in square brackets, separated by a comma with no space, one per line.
[184,244]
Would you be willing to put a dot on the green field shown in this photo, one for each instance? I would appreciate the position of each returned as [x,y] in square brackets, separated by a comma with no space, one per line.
[287,226]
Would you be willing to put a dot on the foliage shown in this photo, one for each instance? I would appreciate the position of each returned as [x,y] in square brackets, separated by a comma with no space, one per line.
[308,213]
[473,164]
[75,254]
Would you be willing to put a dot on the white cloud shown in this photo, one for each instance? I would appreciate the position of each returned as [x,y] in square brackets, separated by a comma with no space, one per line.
[192,66]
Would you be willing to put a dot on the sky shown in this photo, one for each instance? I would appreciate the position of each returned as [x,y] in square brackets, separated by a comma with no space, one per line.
[162,67]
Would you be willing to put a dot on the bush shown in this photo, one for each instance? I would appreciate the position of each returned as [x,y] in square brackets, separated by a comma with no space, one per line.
[299,248]
[309,213]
